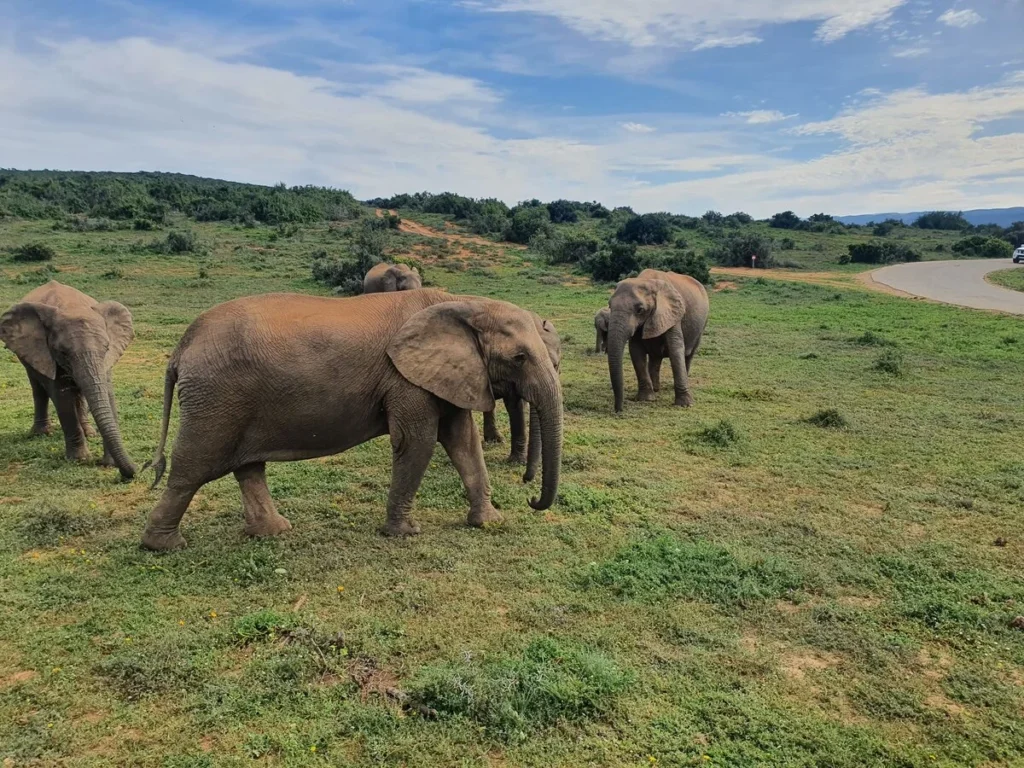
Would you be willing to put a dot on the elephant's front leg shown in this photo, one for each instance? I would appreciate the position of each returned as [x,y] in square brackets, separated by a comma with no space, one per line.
[41,400]
[517,426]
[677,355]
[654,371]
[75,447]
[261,516]
[637,353]
[491,433]
[459,437]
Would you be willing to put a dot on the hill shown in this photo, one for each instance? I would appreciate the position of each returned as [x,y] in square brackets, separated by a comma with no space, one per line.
[1002,217]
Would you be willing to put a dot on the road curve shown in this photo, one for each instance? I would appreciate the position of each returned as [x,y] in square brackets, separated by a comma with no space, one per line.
[954,282]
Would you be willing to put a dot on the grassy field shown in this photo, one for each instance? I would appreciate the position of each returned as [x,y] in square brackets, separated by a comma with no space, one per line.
[819,564]
[1008,278]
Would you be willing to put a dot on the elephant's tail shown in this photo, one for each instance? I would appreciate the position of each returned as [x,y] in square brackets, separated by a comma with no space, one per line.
[159,461]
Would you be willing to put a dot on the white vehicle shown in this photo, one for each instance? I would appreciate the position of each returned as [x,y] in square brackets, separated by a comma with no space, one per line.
[1018,255]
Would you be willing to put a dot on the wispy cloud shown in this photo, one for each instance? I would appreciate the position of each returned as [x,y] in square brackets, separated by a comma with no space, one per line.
[698,24]
[761,116]
[638,128]
[962,19]
[911,53]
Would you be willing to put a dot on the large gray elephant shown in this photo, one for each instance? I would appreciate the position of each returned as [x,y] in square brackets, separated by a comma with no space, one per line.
[69,343]
[384,278]
[601,326]
[659,314]
[285,377]
[522,452]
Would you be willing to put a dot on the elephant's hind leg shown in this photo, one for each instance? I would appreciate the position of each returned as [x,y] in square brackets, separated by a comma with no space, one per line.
[491,433]
[261,516]
[654,371]
[412,445]
[41,400]
[459,438]
[162,526]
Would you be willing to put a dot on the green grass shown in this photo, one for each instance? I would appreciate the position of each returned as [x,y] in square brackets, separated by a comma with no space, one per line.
[721,585]
[1008,278]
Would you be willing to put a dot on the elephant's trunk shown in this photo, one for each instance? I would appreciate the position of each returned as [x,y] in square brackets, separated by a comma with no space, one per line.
[618,336]
[548,406]
[533,448]
[99,393]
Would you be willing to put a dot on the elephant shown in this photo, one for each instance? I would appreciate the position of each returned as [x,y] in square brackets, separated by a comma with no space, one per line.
[660,314]
[391,277]
[69,343]
[286,377]
[516,415]
[601,326]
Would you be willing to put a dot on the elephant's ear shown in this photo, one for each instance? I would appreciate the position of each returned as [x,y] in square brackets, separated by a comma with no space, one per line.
[23,328]
[668,309]
[120,330]
[438,349]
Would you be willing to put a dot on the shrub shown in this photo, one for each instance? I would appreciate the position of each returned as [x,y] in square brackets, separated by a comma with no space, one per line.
[177,242]
[738,250]
[787,244]
[713,217]
[611,262]
[550,682]
[891,362]
[681,262]
[940,248]
[942,220]
[526,223]
[844,258]
[33,252]
[883,252]
[144,225]
[829,418]
[820,218]
[570,247]
[740,217]
[648,229]
[720,435]
[979,247]
[872,339]
[563,212]
[785,220]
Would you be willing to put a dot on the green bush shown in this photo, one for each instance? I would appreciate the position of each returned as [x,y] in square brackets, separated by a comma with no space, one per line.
[563,212]
[785,220]
[787,244]
[681,262]
[738,250]
[979,247]
[891,362]
[648,229]
[568,247]
[612,262]
[946,220]
[33,252]
[882,252]
[720,435]
[526,223]
[550,682]
[829,418]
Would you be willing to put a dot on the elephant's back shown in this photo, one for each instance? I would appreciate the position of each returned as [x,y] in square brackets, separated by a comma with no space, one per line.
[56,294]
[688,286]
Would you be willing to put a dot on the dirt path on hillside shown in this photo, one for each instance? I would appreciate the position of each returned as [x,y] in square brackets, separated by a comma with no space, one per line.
[415,228]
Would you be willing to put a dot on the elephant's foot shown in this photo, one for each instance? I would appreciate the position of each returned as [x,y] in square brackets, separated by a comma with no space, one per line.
[40,430]
[403,527]
[268,525]
[684,401]
[493,437]
[162,541]
[517,457]
[89,430]
[646,396]
[78,453]
[478,518]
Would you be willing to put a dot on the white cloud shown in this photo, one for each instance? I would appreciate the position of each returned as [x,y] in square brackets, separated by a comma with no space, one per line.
[912,53]
[698,24]
[761,116]
[638,128]
[961,19]
[135,104]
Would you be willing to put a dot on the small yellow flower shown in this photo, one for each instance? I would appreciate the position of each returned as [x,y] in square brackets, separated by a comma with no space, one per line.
[49,725]
[55,670]
[127,639]
[705,757]
[340,589]
[181,623]
[213,614]
[652,759]
[313,748]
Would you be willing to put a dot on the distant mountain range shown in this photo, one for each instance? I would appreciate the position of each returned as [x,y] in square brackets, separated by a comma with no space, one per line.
[1004,217]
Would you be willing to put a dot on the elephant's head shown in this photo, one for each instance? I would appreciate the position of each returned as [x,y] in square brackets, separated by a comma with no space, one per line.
[601,319]
[83,344]
[461,351]
[405,278]
[650,305]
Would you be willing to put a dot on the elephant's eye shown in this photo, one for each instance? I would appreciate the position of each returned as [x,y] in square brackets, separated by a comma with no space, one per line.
[638,308]
[519,358]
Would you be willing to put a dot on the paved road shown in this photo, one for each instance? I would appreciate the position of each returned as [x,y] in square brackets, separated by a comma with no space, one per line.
[954,282]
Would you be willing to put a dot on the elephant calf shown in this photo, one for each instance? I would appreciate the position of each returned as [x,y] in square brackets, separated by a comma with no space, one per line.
[69,343]
[659,314]
[516,416]
[384,278]
[601,326]
[285,377]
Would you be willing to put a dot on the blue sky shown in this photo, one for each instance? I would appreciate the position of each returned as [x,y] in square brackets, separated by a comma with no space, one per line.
[755,105]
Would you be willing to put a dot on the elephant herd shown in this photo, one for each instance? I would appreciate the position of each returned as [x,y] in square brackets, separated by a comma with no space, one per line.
[284,377]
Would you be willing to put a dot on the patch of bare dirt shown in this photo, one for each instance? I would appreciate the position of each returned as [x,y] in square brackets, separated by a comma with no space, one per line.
[858,601]
[725,285]
[944,703]
[374,680]
[19,677]
[415,228]
[795,665]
